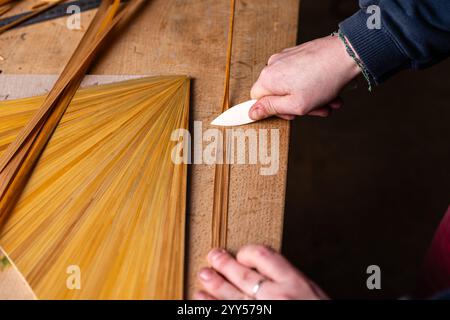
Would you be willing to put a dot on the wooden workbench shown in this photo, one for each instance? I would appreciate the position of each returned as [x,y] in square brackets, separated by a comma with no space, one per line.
[189,37]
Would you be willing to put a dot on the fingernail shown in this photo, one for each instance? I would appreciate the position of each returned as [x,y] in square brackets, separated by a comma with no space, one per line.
[215,253]
[256,112]
[205,274]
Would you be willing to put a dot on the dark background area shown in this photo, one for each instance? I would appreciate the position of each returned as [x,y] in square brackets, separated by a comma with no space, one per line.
[370,184]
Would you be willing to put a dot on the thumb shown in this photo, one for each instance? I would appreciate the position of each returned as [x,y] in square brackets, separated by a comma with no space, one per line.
[269,106]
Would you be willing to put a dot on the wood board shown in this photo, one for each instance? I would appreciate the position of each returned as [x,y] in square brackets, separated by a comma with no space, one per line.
[171,37]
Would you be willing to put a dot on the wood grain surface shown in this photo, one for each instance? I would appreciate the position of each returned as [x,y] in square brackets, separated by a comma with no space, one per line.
[189,37]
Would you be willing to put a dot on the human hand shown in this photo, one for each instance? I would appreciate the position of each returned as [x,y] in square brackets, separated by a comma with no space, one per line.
[304,80]
[257,272]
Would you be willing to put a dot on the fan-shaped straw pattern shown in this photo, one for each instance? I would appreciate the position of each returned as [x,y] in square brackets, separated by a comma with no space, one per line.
[105,194]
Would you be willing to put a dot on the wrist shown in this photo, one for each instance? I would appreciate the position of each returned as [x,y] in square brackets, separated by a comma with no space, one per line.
[354,55]
[356,68]
[348,62]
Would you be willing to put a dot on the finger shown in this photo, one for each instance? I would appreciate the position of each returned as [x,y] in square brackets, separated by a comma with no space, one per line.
[318,291]
[267,84]
[321,112]
[240,276]
[336,103]
[258,91]
[202,295]
[286,116]
[271,105]
[216,286]
[290,49]
[270,291]
[268,262]
[274,58]
[281,56]
[326,111]
[274,291]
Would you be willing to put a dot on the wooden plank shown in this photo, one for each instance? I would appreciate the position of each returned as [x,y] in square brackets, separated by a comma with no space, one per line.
[16,86]
[189,37]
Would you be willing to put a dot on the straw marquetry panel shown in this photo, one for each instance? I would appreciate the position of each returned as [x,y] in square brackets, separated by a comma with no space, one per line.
[105,195]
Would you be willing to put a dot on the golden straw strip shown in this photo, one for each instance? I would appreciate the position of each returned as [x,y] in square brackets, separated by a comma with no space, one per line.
[20,157]
[3,2]
[222,170]
[78,63]
[31,15]
[5,8]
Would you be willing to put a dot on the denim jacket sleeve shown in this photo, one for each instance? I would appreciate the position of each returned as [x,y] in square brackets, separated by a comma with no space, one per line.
[392,35]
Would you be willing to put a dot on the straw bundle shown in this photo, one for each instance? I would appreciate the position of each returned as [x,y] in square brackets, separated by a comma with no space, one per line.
[18,160]
[6,5]
[87,180]
[219,218]
[105,194]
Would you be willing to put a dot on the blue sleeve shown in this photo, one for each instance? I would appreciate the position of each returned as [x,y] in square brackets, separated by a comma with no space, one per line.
[411,34]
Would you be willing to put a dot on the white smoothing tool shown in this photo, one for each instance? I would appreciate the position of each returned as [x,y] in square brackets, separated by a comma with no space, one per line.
[235,116]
